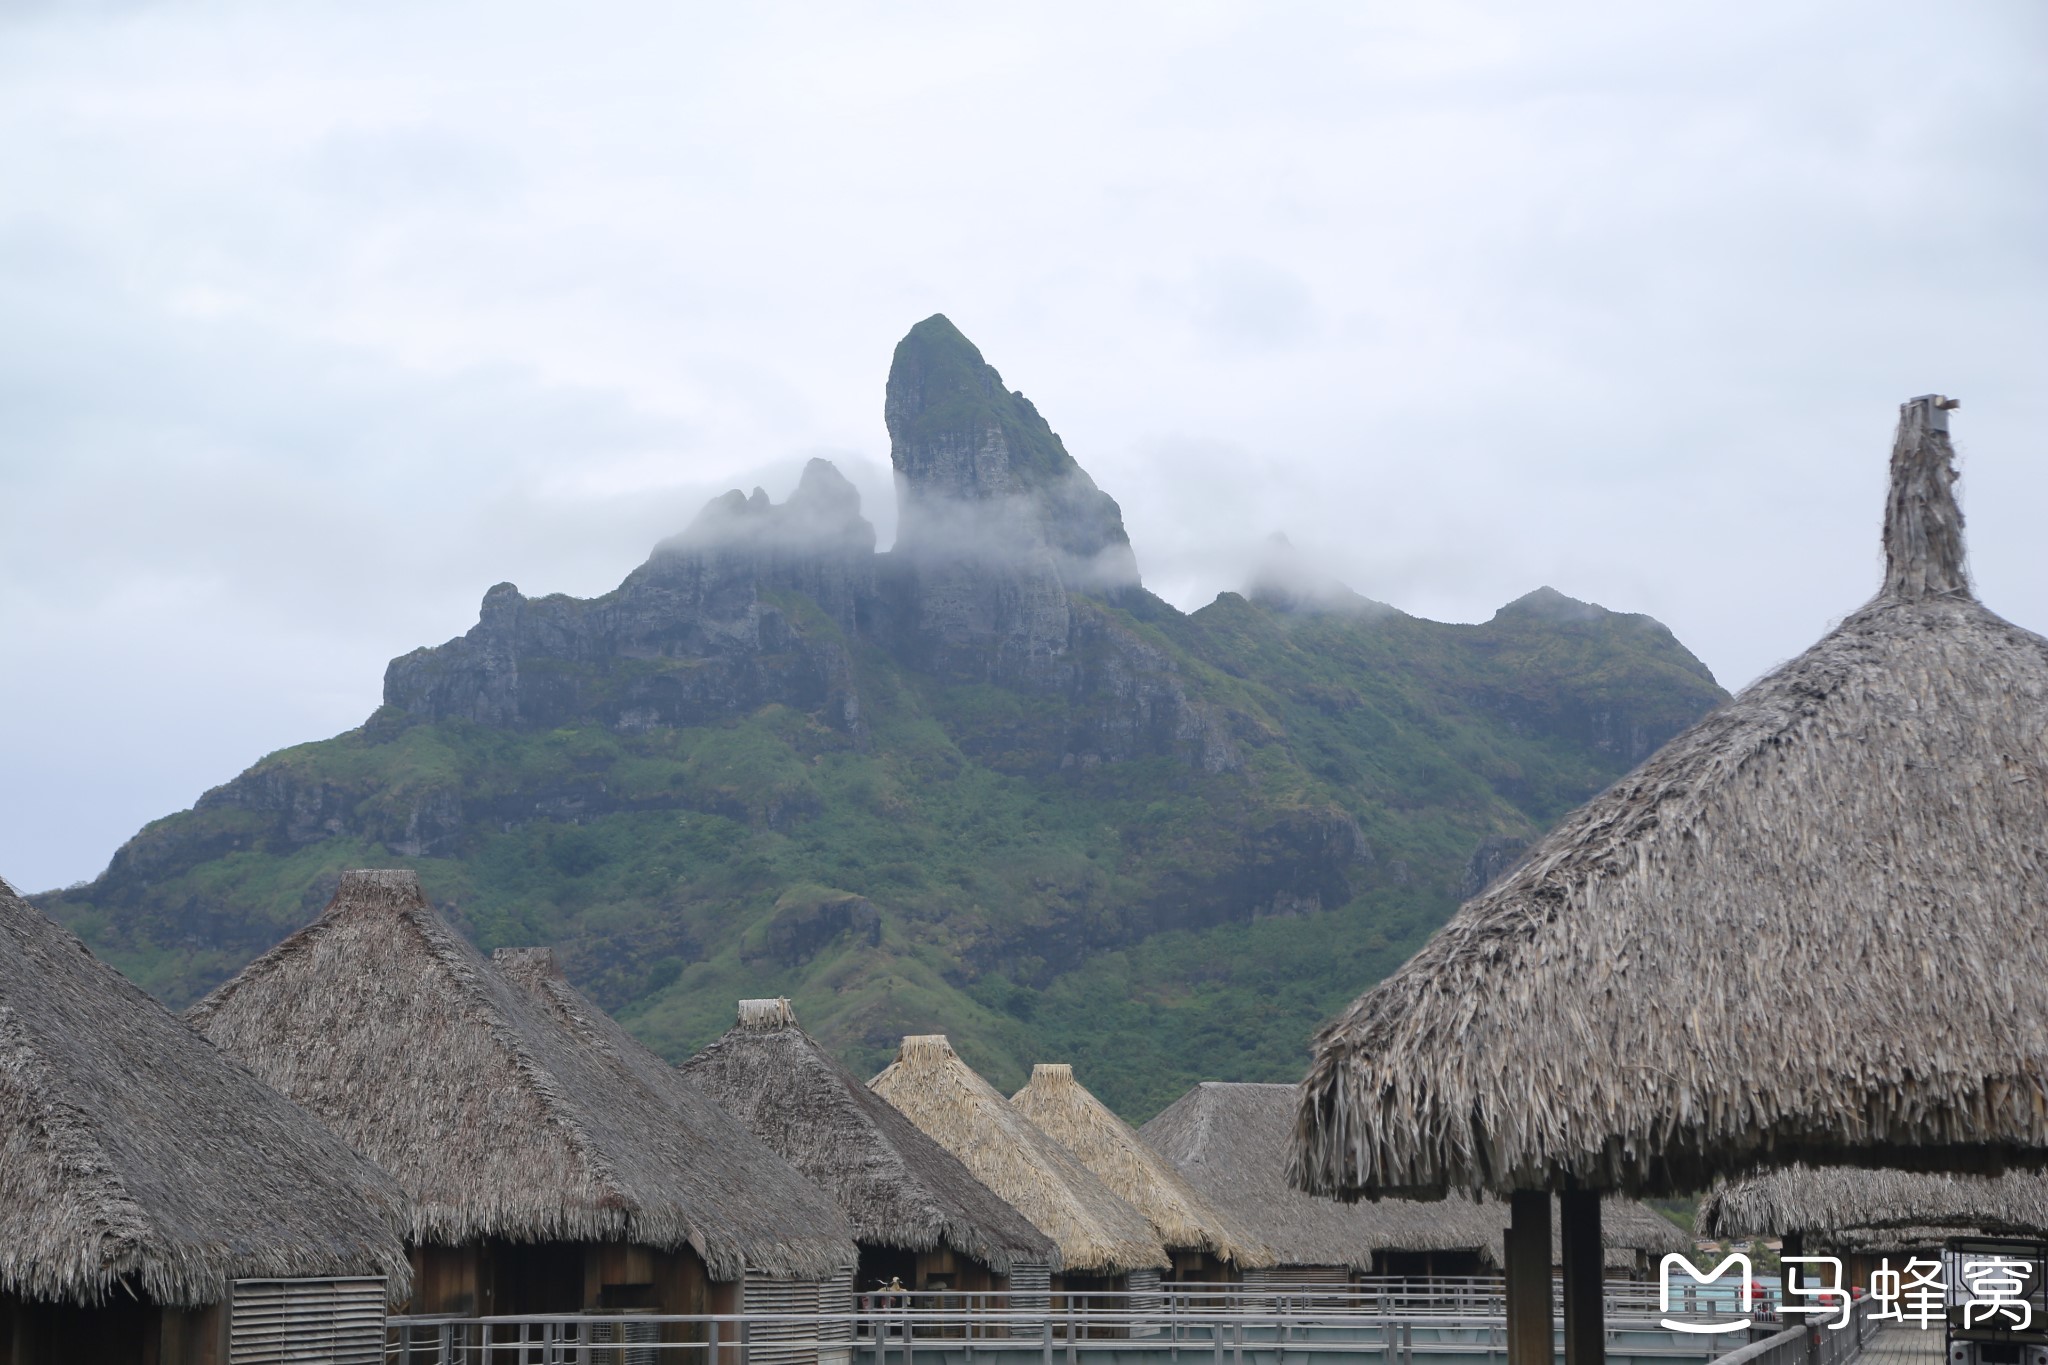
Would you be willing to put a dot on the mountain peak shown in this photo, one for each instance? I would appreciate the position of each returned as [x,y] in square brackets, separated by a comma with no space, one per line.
[822,516]
[984,476]
[1548,604]
[1285,579]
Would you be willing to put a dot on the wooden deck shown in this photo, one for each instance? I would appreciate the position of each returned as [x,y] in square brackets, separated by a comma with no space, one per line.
[1907,1345]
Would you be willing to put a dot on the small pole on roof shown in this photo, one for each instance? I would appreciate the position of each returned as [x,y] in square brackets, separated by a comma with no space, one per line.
[1923,526]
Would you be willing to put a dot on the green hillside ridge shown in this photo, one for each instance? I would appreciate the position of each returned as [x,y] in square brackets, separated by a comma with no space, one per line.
[1164,848]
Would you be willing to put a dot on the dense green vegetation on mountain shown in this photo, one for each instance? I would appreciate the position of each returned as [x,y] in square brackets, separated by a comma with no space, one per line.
[984,784]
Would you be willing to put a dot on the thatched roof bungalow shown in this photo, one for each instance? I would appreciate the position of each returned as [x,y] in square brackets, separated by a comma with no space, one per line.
[1204,1241]
[917,1213]
[142,1174]
[1230,1141]
[1855,842]
[1874,1216]
[550,1164]
[1099,1238]
[1818,1202]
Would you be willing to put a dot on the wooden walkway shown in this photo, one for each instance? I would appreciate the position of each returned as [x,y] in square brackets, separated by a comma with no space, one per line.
[1907,1345]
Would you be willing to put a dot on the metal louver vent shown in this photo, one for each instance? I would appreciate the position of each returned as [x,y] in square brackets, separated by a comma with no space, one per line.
[280,1321]
[784,1342]
[835,1296]
[1147,1298]
[1030,1287]
[645,1336]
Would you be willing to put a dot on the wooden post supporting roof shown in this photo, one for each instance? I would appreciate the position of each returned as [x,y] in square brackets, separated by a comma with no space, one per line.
[1585,1327]
[1794,1244]
[1532,1332]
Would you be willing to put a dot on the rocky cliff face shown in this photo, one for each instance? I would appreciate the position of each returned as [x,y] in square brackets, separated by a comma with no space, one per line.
[752,604]
[1006,555]
[1000,527]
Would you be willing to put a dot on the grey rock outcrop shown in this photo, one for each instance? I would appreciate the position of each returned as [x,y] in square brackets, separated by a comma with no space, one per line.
[999,525]
[1007,569]
[693,634]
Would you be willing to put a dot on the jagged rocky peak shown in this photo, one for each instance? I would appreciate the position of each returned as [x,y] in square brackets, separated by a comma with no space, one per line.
[710,601]
[983,477]
[822,516]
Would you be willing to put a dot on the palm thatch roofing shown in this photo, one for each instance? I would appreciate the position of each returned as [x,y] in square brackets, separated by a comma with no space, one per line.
[1878,1241]
[135,1159]
[1859,841]
[896,1186]
[1809,1199]
[1630,1225]
[1231,1141]
[504,1112]
[1093,1231]
[1063,1108]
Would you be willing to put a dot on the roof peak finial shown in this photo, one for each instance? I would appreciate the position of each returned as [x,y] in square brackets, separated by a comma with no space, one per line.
[1923,526]
[765,1016]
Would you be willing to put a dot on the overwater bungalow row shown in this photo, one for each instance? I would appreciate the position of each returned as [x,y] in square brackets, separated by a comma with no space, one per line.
[157,1202]
[1204,1242]
[921,1218]
[1101,1242]
[551,1164]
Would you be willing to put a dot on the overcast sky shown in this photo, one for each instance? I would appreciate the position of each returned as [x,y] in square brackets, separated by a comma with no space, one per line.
[317,320]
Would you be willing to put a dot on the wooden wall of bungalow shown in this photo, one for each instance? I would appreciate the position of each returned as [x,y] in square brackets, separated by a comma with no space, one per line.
[496,1276]
[123,1330]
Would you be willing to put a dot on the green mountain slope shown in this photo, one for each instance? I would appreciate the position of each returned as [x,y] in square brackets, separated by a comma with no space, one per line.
[984,784]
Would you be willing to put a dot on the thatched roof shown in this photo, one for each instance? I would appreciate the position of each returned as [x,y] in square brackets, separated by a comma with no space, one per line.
[136,1159]
[1878,1241]
[1857,844]
[1094,1231]
[783,1209]
[1231,1141]
[1108,1146]
[1630,1225]
[896,1186]
[1808,1199]
[504,1113]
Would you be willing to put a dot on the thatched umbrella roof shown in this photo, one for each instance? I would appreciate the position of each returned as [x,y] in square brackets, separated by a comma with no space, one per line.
[1858,842]
[1094,1231]
[896,1186]
[1230,1140]
[1108,1146]
[135,1158]
[502,1113]
[1809,1199]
